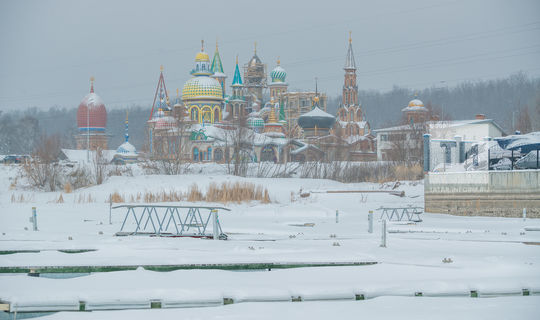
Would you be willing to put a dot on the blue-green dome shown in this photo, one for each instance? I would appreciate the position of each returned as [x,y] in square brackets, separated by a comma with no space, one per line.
[278,74]
[255,122]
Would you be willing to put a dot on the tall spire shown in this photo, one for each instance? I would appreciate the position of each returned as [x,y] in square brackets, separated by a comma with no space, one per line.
[92,84]
[217,66]
[237,79]
[349,61]
[161,96]
[127,132]
[202,45]
[255,48]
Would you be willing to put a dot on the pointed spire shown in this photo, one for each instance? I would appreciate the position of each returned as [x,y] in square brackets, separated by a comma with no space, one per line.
[349,61]
[127,131]
[202,45]
[255,48]
[92,84]
[272,116]
[316,88]
[217,66]
[278,61]
[161,68]
[237,79]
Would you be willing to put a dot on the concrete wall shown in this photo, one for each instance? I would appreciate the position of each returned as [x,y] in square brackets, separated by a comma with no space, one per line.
[487,193]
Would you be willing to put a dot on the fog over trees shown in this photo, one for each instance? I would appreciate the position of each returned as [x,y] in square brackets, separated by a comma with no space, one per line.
[514,103]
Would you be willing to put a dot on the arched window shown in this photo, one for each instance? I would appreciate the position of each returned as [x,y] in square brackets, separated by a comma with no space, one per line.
[218,155]
[216,115]
[209,154]
[194,114]
[268,154]
[195,154]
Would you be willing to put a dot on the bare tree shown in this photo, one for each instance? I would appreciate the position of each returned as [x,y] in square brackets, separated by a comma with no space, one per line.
[523,123]
[239,142]
[42,170]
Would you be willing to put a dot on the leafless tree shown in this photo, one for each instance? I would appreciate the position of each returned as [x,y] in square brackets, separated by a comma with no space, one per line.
[42,170]
[239,142]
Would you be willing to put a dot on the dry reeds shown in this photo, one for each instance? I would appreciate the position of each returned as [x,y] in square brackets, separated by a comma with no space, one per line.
[194,194]
[82,198]
[236,192]
[60,199]
[22,198]
[68,188]
[116,197]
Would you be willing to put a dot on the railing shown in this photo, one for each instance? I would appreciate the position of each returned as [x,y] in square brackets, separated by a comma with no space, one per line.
[173,221]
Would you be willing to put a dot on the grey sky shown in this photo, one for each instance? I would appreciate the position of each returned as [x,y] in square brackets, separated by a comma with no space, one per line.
[49,49]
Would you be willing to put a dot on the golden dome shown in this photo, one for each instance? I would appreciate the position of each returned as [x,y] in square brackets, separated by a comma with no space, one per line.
[202,56]
[416,103]
[202,88]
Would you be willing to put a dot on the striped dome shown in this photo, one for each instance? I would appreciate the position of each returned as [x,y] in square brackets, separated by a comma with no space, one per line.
[202,87]
[278,74]
[255,122]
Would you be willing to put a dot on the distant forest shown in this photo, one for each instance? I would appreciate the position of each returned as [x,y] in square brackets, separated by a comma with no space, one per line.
[511,101]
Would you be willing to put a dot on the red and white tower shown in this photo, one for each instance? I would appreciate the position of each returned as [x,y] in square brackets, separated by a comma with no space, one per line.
[350,89]
[91,122]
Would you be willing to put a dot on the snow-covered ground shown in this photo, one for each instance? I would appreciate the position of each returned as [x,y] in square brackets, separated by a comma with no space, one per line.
[493,256]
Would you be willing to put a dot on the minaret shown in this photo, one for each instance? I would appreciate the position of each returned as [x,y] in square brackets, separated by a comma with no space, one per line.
[127,130]
[350,89]
[278,86]
[217,69]
[237,103]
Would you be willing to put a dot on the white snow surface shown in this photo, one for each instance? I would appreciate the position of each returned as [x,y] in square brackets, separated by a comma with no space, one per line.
[491,255]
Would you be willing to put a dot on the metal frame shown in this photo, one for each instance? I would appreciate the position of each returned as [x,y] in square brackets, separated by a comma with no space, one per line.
[192,223]
[412,213]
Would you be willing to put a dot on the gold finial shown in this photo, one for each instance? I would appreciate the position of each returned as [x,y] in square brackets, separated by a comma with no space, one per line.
[216,44]
[92,79]
[350,36]
[416,94]
[177,92]
[255,47]
[161,68]
[202,45]
[278,61]
[127,114]
[236,59]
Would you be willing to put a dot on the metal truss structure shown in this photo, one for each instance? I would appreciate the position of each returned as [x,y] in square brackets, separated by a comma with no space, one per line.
[397,214]
[173,221]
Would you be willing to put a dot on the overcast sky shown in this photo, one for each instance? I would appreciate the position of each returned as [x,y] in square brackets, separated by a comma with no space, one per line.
[49,49]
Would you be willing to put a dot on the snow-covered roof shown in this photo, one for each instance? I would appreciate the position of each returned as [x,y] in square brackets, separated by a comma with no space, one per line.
[126,148]
[317,112]
[525,142]
[81,155]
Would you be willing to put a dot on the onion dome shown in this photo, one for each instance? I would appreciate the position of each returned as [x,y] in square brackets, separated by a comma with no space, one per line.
[278,74]
[92,115]
[202,87]
[316,118]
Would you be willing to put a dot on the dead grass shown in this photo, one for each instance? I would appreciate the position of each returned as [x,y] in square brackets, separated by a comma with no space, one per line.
[22,198]
[226,192]
[68,188]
